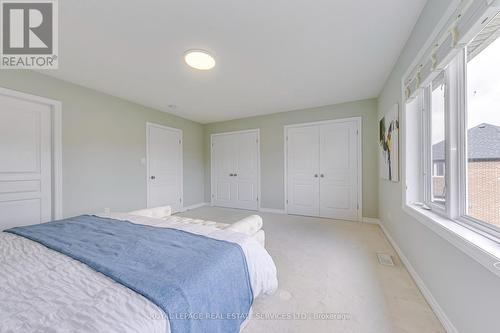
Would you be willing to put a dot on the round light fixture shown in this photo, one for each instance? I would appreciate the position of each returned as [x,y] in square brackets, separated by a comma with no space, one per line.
[199,59]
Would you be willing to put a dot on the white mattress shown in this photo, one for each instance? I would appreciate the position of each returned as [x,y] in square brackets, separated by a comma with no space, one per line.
[45,291]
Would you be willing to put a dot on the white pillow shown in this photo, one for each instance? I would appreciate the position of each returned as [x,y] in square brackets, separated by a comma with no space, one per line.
[156,212]
[248,225]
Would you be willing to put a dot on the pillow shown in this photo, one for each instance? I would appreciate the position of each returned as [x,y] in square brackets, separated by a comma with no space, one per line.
[156,212]
[248,225]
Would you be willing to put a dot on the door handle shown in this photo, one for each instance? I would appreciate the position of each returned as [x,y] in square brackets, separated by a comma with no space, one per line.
[152,177]
[230,175]
[316,176]
[322,176]
[235,174]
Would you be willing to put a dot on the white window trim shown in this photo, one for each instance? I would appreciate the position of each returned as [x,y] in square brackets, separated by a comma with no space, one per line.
[474,239]
[460,127]
[480,248]
[427,146]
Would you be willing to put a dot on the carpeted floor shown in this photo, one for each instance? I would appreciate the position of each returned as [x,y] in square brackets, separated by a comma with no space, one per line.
[329,273]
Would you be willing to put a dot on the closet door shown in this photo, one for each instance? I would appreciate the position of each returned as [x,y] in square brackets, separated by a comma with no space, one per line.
[235,174]
[223,162]
[338,170]
[245,177]
[303,170]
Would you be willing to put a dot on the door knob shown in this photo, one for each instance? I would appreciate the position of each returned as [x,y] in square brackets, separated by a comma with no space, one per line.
[230,175]
[235,174]
[322,176]
[153,177]
[316,176]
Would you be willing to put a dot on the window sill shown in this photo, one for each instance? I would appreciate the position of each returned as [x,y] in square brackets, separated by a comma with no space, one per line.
[478,247]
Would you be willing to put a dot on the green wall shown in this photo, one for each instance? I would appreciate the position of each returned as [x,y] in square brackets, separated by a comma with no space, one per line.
[272,148]
[104,139]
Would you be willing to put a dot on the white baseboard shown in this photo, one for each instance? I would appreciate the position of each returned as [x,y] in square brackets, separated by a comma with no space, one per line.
[370,220]
[272,210]
[445,321]
[198,205]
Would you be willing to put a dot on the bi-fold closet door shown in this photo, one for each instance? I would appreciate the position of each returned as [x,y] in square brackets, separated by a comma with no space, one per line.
[235,170]
[322,169]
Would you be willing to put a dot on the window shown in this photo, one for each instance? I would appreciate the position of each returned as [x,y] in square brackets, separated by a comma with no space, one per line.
[438,170]
[438,142]
[483,126]
[455,119]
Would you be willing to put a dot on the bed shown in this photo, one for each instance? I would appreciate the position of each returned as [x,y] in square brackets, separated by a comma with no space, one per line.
[45,290]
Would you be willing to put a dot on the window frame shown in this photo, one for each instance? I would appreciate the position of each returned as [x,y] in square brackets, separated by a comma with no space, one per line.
[462,233]
[456,157]
[427,144]
[486,229]
[438,170]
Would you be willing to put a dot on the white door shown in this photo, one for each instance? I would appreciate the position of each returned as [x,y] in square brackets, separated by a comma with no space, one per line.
[322,169]
[25,162]
[224,165]
[235,162]
[338,170]
[303,170]
[246,175]
[164,163]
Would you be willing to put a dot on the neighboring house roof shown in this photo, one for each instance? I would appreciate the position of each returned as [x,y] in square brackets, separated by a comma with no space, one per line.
[483,143]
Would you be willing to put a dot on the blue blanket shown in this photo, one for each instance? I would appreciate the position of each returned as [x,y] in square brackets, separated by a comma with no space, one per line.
[202,284]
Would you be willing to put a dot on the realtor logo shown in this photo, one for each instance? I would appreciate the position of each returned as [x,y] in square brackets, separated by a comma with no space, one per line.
[29,34]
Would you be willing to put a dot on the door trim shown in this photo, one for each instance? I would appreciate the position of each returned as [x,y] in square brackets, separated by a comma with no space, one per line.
[212,175]
[359,125]
[148,125]
[56,124]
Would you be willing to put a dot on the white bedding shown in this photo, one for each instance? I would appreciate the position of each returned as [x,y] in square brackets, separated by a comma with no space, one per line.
[250,226]
[44,291]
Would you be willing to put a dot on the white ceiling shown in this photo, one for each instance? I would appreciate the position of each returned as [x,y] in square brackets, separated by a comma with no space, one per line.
[272,55]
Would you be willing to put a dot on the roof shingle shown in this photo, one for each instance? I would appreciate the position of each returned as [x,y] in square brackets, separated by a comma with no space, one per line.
[483,144]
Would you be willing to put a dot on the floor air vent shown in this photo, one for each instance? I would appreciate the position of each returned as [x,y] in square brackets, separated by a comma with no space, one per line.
[385,259]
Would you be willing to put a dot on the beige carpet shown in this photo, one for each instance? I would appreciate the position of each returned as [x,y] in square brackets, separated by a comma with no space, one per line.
[328,271]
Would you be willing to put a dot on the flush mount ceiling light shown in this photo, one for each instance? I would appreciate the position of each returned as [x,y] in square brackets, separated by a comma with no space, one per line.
[199,59]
